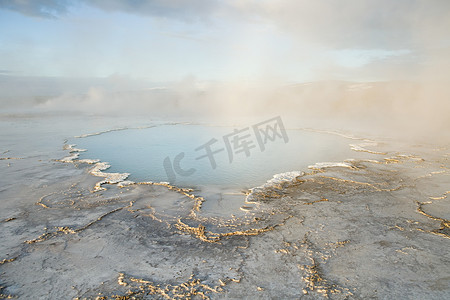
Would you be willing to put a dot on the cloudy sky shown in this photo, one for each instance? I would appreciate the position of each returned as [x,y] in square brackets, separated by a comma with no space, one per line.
[165,40]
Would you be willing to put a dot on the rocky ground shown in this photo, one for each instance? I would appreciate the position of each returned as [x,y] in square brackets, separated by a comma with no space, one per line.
[369,229]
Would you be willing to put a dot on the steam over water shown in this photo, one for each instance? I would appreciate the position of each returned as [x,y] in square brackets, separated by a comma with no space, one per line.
[255,149]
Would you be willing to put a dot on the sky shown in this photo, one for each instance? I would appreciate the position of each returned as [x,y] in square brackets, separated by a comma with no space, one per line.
[218,40]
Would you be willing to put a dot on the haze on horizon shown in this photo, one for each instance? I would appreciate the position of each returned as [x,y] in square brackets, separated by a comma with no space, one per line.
[228,56]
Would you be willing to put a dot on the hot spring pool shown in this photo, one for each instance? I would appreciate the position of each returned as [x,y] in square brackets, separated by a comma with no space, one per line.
[178,153]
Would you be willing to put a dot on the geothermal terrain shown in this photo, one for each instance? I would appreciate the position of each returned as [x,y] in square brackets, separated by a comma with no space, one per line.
[374,225]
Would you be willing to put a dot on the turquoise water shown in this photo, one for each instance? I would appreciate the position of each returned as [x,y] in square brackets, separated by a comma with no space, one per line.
[149,154]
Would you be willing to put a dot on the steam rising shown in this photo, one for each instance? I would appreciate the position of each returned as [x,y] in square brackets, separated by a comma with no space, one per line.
[376,66]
